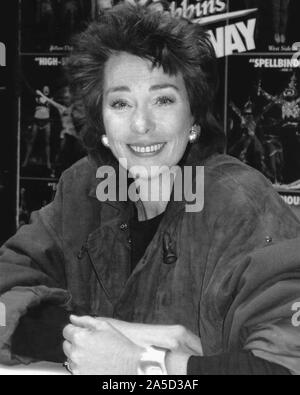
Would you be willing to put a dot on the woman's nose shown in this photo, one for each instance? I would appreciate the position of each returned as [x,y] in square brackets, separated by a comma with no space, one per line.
[142,122]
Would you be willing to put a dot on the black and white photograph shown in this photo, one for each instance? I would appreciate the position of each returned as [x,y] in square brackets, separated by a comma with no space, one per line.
[150,190]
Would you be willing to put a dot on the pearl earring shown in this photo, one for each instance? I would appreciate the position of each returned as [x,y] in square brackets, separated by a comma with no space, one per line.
[195,134]
[104,140]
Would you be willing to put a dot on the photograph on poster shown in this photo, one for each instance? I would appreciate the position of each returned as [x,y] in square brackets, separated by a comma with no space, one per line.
[277,26]
[264,117]
[50,121]
[48,25]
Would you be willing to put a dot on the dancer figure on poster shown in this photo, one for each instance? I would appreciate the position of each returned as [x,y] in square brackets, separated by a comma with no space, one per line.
[280,10]
[41,123]
[249,148]
[72,116]
[72,119]
[274,150]
[289,103]
[45,17]
[70,15]
[44,11]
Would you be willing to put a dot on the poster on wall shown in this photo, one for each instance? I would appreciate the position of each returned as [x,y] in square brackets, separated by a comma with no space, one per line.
[7,131]
[230,31]
[277,27]
[49,120]
[48,25]
[264,117]
[3,164]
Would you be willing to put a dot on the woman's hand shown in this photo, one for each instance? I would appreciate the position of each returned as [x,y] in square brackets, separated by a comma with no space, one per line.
[100,351]
[171,337]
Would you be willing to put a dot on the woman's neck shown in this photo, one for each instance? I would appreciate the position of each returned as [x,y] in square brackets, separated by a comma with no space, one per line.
[154,196]
[148,211]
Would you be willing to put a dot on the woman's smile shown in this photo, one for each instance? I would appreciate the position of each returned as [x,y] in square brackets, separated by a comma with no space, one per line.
[146,150]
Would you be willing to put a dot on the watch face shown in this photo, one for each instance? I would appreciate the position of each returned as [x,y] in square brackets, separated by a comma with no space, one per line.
[152,362]
[151,368]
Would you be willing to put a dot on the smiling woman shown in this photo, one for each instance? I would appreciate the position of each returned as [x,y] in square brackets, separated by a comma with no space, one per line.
[202,292]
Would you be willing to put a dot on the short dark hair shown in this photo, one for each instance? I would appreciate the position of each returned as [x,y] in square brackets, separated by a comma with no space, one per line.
[177,45]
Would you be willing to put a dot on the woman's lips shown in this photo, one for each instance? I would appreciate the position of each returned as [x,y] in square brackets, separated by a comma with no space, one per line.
[146,150]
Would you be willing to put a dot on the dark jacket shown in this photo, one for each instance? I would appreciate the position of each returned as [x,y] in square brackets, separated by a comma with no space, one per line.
[234,280]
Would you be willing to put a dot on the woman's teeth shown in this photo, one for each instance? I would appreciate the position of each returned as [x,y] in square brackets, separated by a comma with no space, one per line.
[148,149]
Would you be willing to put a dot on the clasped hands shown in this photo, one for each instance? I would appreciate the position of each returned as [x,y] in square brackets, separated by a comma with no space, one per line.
[103,346]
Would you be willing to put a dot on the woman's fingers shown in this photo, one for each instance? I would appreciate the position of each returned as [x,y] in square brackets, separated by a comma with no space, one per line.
[69,332]
[67,348]
[84,322]
[193,343]
[91,323]
[187,340]
[173,337]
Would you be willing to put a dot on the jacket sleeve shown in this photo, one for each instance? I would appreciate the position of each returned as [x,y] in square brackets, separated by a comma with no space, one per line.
[31,271]
[256,276]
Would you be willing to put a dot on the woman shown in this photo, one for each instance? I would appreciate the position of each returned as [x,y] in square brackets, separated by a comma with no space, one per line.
[209,291]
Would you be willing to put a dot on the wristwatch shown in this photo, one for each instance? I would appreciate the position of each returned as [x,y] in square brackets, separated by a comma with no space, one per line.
[152,362]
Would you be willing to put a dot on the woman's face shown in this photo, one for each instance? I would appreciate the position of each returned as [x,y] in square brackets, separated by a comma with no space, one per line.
[146,113]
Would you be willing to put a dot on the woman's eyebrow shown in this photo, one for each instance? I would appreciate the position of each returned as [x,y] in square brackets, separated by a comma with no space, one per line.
[118,89]
[155,87]
[163,86]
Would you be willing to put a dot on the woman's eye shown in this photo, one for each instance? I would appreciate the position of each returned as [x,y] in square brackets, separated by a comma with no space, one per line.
[119,104]
[164,100]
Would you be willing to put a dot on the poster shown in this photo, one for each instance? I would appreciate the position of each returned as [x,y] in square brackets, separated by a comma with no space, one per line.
[277,23]
[50,128]
[3,171]
[8,122]
[264,116]
[48,25]
[45,110]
